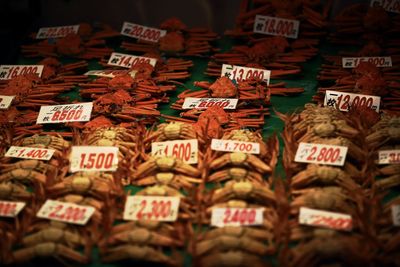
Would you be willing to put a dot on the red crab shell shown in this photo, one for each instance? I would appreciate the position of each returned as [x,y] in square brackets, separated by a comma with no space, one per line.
[172,42]
[223,87]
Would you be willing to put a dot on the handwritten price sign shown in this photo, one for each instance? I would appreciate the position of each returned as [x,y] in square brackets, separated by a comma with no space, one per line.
[65,113]
[389,156]
[142,32]
[321,154]
[185,150]
[352,62]
[343,101]
[5,101]
[276,26]
[8,72]
[235,146]
[326,219]
[56,32]
[388,5]
[29,153]
[129,61]
[93,158]
[110,73]
[239,73]
[10,208]
[65,212]
[204,103]
[155,208]
[222,217]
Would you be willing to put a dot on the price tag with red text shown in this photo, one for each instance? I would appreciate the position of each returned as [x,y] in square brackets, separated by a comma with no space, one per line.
[388,5]
[235,146]
[185,150]
[142,32]
[5,101]
[56,32]
[128,61]
[65,212]
[343,101]
[321,154]
[155,208]
[389,156]
[222,217]
[396,215]
[239,73]
[23,152]
[352,62]
[110,73]
[204,103]
[65,113]
[93,158]
[326,219]
[8,72]
[276,26]
[10,208]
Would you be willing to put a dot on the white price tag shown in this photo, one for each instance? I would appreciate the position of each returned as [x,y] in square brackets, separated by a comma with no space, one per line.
[8,72]
[352,62]
[239,73]
[65,212]
[222,217]
[389,156]
[185,150]
[142,32]
[10,208]
[93,158]
[321,154]
[56,32]
[65,113]
[5,101]
[396,215]
[345,100]
[110,73]
[388,5]
[128,61]
[204,103]
[23,152]
[155,208]
[276,26]
[235,146]
[326,219]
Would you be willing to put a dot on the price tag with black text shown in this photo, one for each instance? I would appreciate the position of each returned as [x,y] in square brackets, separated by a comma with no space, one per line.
[396,215]
[325,219]
[65,212]
[93,158]
[389,156]
[343,101]
[204,103]
[321,154]
[142,32]
[5,101]
[128,61]
[8,72]
[235,146]
[276,26]
[65,113]
[110,73]
[56,32]
[222,217]
[388,5]
[239,73]
[185,150]
[155,208]
[352,62]
[10,208]
[23,152]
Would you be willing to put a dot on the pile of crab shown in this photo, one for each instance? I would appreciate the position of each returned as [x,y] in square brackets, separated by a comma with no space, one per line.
[343,189]
[179,40]
[88,43]
[366,79]
[239,181]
